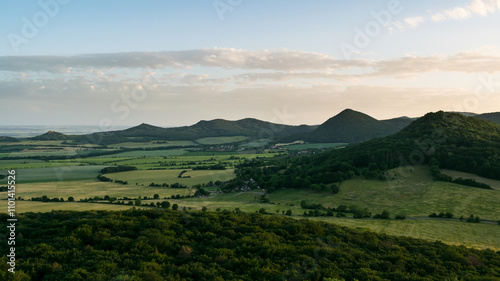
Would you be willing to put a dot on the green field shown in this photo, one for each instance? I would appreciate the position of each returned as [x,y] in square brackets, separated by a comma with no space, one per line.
[257,143]
[36,206]
[66,152]
[147,153]
[221,140]
[314,146]
[415,195]
[91,188]
[171,176]
[482,236]
[72,173]
[495,184]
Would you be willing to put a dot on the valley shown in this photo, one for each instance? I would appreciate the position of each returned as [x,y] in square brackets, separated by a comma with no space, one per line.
[59,167]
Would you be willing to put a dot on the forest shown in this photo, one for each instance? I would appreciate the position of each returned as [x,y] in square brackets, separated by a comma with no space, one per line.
[202,245]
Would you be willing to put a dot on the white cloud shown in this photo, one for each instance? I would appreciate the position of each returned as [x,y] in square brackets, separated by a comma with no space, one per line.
[482,8]
[414,21]
[458,13]
[285,60]
[476,7]
[437,17]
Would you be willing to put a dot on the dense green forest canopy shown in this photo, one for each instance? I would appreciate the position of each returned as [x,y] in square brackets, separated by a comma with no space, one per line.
[195,245]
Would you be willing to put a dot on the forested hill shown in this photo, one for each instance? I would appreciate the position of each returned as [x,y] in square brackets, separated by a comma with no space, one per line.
[195,245]
[457,142]
[493,117]
[450,140]
[251,128]
[352,127]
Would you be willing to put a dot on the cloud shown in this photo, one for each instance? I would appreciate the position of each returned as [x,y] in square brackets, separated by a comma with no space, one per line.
[476,7]
[414,21]
[234,66]
[284,60]
[482,8]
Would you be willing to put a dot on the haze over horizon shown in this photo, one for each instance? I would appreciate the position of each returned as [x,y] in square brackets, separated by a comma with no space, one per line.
[173,63]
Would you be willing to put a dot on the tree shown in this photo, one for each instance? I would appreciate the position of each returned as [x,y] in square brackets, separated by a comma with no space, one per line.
[289,212]
[204,209]
[165,204]
[71,199]
[138,201]
[385,215]
[175,207]
[156,196]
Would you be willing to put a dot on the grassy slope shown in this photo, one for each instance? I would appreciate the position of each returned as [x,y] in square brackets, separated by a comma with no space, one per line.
[481,236]
[415,195]
[495,184]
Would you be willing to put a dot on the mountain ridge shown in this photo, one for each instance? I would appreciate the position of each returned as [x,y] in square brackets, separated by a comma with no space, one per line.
[349,126]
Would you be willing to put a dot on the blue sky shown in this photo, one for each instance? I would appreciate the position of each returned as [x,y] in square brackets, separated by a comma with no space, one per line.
[171,63]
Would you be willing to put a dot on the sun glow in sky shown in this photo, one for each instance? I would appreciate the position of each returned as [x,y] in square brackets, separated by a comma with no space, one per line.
[173,63]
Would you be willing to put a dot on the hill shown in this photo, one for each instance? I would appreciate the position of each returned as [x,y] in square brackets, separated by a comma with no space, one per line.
[187,245]
[493,117]
[50,135]
[352,127]
[349,126]
[445,140]
[251,128]
[9,139]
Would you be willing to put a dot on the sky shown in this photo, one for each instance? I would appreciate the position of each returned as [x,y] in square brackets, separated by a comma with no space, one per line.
[173,63]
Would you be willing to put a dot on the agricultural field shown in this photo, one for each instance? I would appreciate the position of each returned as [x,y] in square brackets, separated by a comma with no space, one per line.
[221,140]
[412,193]
[60,174]
[91,188]
[315,146]
[147,153]
[189,178]
[36,206]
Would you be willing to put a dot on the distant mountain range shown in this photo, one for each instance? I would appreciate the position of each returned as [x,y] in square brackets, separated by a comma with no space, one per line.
[348,126]
[249,127]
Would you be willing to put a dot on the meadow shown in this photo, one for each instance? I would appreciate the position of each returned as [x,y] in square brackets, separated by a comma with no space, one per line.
[92,188]
[221,140]
[495,184]
[57,173]
[147,153]
[411,192]
[189,178]
[315,146]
